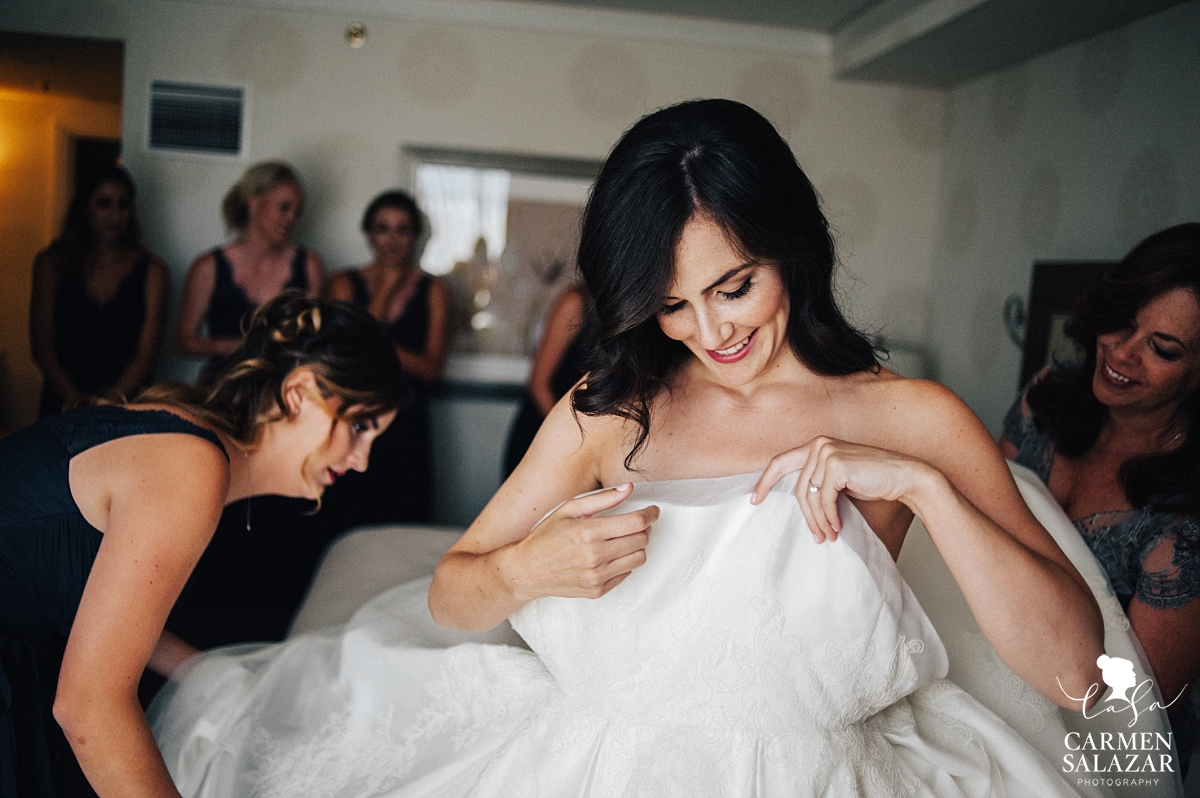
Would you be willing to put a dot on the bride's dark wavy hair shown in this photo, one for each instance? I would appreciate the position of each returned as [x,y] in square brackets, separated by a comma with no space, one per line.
[1063,403]
[723,160]
[349,353]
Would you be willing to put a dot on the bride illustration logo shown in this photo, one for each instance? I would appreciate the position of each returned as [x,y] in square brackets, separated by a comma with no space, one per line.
[1118,674]
[1105,752]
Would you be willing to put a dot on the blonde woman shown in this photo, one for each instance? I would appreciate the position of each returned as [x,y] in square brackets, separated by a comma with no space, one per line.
[224,286]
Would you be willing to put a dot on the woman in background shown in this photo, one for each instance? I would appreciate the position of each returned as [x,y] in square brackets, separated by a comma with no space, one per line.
[1112,439]
[105,509]
[224,286]
[415,309]
[99,299]
[557,365]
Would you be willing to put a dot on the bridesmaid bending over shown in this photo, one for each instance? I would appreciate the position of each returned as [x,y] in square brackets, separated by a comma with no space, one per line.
[105,510]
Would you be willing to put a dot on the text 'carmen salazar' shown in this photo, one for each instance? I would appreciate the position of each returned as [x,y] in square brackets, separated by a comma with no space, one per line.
[1106,752]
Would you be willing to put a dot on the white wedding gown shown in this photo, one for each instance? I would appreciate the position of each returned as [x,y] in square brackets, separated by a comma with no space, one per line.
[743,659]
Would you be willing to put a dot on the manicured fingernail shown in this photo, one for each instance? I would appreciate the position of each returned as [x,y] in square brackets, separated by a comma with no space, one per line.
[623,488]
[754,498]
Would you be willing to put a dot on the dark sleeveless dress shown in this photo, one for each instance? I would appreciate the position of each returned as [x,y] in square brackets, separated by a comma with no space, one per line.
[46,554]
[529,417]
[398,485]
[95,342]
[229,305]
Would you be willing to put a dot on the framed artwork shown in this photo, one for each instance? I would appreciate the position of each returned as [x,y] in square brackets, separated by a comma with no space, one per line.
[1053,289]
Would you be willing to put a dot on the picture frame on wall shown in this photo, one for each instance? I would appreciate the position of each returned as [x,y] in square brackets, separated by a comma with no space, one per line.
[1053,289]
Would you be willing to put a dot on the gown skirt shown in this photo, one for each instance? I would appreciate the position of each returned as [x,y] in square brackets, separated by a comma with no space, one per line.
[743,659]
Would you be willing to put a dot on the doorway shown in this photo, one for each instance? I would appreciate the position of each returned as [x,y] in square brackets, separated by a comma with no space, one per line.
[91,154]
[71,87]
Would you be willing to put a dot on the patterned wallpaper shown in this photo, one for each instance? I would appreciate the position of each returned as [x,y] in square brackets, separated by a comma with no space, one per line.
[1078,154]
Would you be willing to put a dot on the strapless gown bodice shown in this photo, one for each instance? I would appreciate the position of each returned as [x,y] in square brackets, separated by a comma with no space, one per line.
[743,659]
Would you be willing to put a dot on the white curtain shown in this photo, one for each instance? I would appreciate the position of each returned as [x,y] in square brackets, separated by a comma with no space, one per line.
[462,204]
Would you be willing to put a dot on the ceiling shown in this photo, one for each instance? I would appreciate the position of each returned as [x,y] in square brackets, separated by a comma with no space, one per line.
[925,42]
[819,15]
[936,43]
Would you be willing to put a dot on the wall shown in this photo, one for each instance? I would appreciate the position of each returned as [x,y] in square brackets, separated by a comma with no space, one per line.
[35,158]
[565,87]
[1078,154]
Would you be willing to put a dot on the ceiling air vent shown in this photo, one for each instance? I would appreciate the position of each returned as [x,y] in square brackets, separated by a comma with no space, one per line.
[187,117]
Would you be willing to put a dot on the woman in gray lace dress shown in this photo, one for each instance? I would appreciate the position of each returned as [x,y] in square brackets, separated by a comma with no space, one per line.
[1111,437]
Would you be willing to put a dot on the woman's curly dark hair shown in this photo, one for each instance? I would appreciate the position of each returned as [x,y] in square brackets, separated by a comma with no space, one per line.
[347,350]
[723,160]
[1063,403]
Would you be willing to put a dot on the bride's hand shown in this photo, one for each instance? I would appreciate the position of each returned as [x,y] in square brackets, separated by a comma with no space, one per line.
[574,554]
[828,466]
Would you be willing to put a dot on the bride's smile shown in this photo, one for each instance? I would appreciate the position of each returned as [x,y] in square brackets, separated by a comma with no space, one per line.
[733,353]
[729,311]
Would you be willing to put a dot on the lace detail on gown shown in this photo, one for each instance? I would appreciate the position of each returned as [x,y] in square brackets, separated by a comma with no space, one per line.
[356,753]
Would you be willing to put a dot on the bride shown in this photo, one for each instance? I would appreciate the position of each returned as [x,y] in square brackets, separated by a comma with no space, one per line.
[728,619]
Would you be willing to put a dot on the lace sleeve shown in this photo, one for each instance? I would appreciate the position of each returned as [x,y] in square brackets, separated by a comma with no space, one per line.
[1170,573]
[1035,450]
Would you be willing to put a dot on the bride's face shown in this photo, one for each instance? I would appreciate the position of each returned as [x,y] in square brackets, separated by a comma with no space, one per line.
[731,312]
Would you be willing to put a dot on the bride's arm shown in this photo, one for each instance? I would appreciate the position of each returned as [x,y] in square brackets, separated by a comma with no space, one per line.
[503,561]
[1029,600]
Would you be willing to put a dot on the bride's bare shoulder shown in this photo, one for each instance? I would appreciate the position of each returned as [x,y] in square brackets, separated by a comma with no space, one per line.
[585,426]
[887,388]
[918,409]
[572,440]
[569,455]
